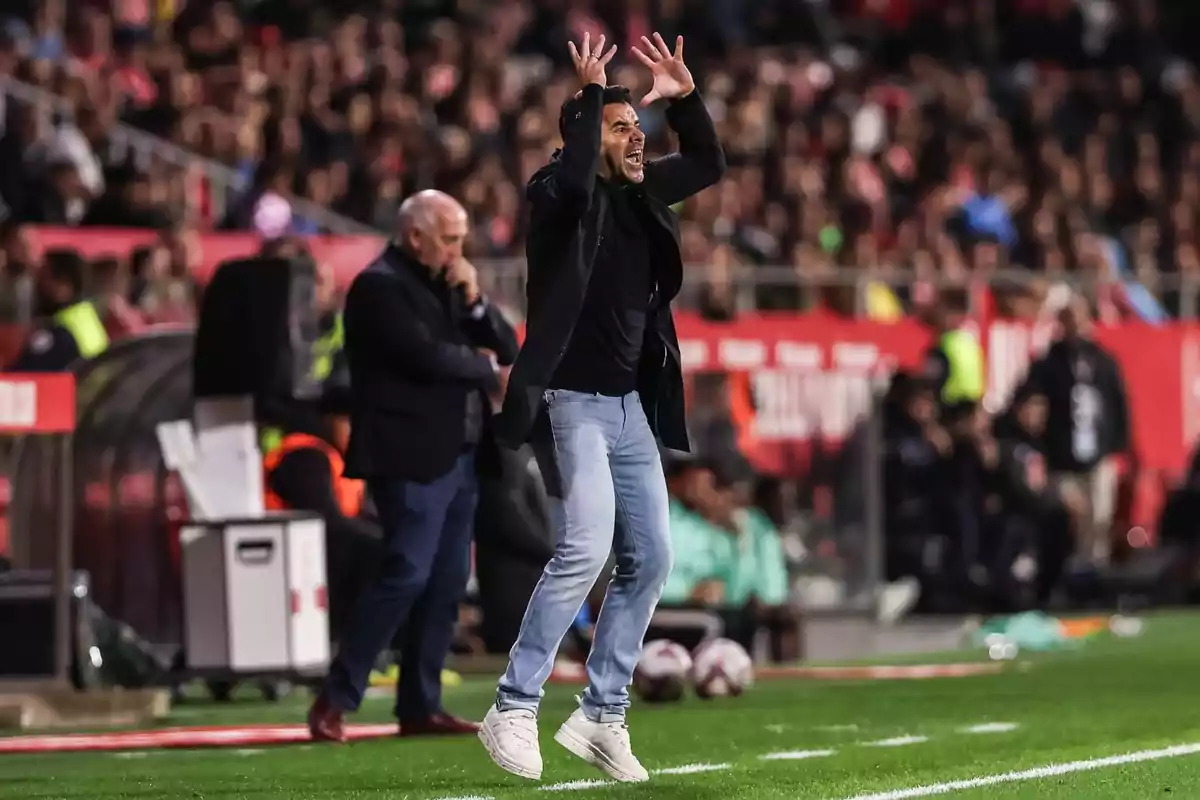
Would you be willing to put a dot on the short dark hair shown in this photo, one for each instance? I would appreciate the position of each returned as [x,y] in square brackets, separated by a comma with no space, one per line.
[612,94]
[68,267]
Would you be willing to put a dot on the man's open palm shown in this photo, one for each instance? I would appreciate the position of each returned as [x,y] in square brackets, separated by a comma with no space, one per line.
[671,78]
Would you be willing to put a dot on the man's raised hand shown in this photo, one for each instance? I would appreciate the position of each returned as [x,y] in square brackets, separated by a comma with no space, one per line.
[672,79]
[590,62]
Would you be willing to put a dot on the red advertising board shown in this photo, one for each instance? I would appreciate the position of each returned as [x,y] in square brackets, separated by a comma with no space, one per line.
[813,376]
[43,403]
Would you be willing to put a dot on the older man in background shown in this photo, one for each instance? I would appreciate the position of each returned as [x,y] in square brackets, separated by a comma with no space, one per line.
[416,328]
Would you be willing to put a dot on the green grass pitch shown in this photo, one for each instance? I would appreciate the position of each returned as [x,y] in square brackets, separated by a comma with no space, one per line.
[1067,711]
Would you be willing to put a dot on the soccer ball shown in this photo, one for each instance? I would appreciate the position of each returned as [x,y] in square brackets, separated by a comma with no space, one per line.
[721,668]
[662,672]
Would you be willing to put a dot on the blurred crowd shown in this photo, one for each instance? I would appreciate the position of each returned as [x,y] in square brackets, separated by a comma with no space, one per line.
[935,139]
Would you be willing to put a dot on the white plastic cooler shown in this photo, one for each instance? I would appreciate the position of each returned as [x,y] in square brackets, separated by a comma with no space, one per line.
[255,597]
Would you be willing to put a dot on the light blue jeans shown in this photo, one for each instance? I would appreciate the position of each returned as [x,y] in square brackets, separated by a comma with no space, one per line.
[610,496]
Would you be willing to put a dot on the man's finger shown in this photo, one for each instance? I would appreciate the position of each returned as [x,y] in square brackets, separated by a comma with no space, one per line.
[642,57]
[586,51]
[661,45]
[651,50]
[650,97]
[575,57]
[598,50]
[607,57]
[679,47]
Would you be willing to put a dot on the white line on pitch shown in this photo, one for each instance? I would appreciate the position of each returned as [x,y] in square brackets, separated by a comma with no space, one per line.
[898,741]
[796,755]
[1038,773]
[692,769]
[990,727]
[471,797]
[574,786]
[131,754]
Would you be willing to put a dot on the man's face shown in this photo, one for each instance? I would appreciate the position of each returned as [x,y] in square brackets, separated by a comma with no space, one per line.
[52,292]
[621,143]
[1032,415]
[325,297]
[440,243]
[922,408]
[1075,320]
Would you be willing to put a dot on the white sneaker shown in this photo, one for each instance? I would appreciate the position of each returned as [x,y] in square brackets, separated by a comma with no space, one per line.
[604,745]
[511,739]
[897,599]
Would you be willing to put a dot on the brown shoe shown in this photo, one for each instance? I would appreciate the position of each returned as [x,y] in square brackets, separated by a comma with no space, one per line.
[325,722]
[442,724]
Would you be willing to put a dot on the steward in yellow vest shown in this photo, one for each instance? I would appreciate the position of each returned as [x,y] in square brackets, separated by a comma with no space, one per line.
[954,364]
[73,329]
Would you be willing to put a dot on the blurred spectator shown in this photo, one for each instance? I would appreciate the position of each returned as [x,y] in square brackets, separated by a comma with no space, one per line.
[1087,430]
[893,139]
[729,557]
[71,328]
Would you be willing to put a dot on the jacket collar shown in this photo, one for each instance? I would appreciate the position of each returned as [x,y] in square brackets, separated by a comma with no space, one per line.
[634,188]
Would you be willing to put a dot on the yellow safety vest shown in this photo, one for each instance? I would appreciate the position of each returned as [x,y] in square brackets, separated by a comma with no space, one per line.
[965,378]
[326,348]
[325,351]
[83,323]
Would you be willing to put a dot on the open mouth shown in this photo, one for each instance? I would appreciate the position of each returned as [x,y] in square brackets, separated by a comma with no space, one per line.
[634,158]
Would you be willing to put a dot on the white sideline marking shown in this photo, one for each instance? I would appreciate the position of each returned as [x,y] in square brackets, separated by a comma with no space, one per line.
[248,751]
[692,769]
[991,727]
[471,797]
[131,754]
[837,728]
[1038,773]
[776,728]
[898,741]
[796,755]
[574,786]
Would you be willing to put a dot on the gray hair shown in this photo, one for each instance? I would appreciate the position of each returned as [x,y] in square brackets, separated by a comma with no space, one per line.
[422,210]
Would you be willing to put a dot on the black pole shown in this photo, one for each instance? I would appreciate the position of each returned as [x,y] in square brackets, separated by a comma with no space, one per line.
[63,562]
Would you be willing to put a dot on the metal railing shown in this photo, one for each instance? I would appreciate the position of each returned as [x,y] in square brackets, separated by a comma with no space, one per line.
[145,149]
[850,287]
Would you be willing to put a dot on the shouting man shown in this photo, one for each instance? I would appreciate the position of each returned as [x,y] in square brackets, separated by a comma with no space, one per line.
[598,378]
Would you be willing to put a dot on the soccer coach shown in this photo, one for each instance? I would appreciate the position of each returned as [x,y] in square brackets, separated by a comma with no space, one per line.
[415,323]
[598,377]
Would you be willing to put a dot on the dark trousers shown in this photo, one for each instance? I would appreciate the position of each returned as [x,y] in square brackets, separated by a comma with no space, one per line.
[426,562]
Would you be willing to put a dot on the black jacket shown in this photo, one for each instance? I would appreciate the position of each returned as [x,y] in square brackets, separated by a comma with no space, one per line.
[1083,386]
[410,345]
[568,222]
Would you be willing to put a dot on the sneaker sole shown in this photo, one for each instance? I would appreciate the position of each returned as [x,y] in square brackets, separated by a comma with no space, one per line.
[578,746]
[502,761]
